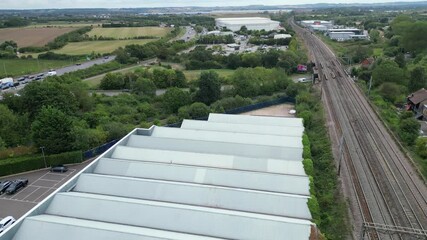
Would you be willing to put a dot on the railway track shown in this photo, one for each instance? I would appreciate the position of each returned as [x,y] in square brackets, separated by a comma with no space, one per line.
[387,189]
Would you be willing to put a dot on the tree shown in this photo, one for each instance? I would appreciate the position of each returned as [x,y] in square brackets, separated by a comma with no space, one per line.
[86,138]
[53,130]
[409,130]
[194,111]
[209,87]
[48,93]
[112,81]
[174,98]
[390,91]
[374,35]
[400,60]
[417,79]
[145,87]
[13,128]
[388,71]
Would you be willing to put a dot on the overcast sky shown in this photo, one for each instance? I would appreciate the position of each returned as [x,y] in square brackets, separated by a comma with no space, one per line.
[34,4]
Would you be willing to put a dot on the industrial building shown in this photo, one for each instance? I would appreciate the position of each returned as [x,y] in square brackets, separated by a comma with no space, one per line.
[344,34]
[251,23]
[231,177]
[317,25]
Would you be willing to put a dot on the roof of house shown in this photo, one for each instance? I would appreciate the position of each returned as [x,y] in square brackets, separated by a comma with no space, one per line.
[418,96]
[185,183]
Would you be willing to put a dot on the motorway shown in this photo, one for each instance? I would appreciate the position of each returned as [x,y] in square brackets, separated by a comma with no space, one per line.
[382,186]
[62,71]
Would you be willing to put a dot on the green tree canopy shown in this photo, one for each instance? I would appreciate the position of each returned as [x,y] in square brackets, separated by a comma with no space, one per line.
[418,79]
[209,87]
[174,98]
[53,130]
[388,71]
[48,93]
[112,81]
[194,111]
[144,86]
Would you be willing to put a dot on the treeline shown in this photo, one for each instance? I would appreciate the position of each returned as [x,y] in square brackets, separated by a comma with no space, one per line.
[156,20]
[60,114]
[14,22]
[202,58]
[160,78]
[270,41]
[161,49]
[73,36]
[8,49]
[215,39]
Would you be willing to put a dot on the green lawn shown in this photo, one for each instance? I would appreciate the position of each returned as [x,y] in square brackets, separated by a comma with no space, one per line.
[17,67]
[81,48]
[192,75]
[129,32]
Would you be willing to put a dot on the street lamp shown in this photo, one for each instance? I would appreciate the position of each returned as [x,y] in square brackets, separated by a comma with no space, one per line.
[44,158]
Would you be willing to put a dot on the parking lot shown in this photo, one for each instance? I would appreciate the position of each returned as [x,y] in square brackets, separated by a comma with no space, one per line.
[41,184]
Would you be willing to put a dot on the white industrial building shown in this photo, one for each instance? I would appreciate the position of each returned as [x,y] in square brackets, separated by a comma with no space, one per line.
[308,23]
[251,23]
[231,177]
[282,36]
[344,34]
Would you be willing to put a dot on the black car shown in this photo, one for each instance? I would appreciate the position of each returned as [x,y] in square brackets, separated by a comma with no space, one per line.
[16,185]
[59,168]
[4,185]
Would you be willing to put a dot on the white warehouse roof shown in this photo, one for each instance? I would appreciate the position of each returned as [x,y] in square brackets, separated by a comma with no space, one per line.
[202,181]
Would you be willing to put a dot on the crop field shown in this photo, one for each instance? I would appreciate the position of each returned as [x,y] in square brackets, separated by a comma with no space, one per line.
[129,32]
[25,37]
[81,48]
[192,75]
[17,67]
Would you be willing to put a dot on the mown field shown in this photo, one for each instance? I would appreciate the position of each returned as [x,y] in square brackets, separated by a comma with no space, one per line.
[18,67]
[25,37]
[129,32]
[81,48]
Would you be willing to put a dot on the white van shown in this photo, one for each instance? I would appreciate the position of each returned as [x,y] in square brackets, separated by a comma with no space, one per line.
[6,222]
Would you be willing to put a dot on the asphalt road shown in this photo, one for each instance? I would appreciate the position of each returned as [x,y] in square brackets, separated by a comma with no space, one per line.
[190,33]
[62,71]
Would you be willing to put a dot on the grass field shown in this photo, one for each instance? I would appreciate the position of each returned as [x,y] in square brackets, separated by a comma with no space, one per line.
[25,37]
[192,75]
[17,67]
[129,32]
[81,48]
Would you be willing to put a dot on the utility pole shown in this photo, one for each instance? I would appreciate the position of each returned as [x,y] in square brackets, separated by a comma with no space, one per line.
[44,157]
[370,85]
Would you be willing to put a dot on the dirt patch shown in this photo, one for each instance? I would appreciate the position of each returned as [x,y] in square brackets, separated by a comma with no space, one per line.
[281,110]
[26,37]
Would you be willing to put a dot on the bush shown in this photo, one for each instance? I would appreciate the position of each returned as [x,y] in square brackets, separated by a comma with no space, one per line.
[22,164]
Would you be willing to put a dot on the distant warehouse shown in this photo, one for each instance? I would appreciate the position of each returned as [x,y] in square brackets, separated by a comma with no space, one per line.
[251,23]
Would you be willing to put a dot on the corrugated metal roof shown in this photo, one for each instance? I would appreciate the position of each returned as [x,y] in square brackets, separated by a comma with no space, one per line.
[258,120]
[66,228]
[232,137]
[291,167]
[210,176]
[215,147]
[196,195]
[164,183]
[203,221]
[243,128]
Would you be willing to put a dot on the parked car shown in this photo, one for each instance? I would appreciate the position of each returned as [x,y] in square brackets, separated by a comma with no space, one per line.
[4,185]
[59,168]
[16,185]
[6,222]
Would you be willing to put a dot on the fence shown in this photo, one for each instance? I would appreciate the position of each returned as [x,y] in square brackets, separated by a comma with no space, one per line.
[247,108]
[98,150]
